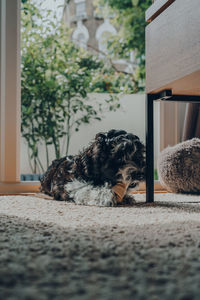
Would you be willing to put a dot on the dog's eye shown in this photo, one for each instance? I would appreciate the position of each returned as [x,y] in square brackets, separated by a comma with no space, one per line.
[132,185]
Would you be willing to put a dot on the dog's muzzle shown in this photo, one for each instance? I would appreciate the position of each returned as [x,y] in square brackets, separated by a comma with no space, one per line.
[120,191]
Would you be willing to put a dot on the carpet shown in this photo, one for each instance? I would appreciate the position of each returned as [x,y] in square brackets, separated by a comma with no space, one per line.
[58,250]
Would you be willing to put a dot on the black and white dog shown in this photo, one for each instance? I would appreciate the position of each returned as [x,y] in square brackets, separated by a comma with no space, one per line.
[104,174]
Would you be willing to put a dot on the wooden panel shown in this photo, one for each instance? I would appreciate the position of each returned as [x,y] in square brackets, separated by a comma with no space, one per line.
[169,124]
[157,187]
[157,8]
[21,187]
[173,49]
[10,98]
[188,85]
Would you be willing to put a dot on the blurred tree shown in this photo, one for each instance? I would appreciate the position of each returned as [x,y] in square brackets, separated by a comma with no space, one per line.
[129,19]
[55,79]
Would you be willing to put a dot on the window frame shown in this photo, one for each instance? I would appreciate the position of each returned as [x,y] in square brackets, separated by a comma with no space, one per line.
[10,100]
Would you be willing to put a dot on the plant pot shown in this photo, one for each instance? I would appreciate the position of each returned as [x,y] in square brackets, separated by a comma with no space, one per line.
[31,177]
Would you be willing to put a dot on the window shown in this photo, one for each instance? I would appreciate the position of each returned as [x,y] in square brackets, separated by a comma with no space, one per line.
[103,33]
[80,9]
[80,35]
[10,96]
[82,41]
[103,42]
[98,11]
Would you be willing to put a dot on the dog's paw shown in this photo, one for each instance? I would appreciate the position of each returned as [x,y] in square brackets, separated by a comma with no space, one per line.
[128,199]
[110,202]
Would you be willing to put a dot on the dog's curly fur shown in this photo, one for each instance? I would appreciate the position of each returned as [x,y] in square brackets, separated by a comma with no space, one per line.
[113,157]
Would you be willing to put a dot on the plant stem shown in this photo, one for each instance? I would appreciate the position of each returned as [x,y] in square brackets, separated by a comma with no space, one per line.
[56,147]
[40,164]
[47,153]
[68,125]
[68,141]
[29,159]
[35,165]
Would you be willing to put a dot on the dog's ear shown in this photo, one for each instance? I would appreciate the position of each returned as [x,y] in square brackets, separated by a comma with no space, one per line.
[102,139]
[100,136]
[132,137]
[114,133]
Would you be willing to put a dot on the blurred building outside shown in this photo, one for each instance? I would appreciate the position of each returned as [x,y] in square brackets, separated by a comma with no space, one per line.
[92,27]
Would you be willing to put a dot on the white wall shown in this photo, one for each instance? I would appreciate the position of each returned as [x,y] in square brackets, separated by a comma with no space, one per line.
[130,117]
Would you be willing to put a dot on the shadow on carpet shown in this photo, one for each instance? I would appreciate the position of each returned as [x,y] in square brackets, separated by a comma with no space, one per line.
[45,261]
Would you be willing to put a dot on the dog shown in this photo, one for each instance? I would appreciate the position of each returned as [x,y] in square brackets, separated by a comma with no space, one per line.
[103,174]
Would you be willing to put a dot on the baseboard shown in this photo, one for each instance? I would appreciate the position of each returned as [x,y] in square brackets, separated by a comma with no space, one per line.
[34,187]
[21,187]
[157,187]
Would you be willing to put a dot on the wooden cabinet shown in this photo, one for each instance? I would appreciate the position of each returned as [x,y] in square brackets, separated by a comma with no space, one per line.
[173,47]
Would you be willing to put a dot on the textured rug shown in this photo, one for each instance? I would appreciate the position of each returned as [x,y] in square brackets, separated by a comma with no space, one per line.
[58,250]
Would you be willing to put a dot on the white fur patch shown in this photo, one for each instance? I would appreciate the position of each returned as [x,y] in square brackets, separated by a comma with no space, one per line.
[86,194]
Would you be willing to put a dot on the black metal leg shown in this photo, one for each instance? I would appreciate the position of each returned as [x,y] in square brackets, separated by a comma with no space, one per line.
[149,149]
[168,96]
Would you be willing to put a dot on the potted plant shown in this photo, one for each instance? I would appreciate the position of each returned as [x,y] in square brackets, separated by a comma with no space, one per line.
[56,77]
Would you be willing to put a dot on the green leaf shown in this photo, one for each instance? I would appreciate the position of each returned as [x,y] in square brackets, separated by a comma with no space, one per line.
[135,2]
[56,79]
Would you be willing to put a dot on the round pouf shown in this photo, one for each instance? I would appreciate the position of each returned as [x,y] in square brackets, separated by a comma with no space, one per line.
[179,167]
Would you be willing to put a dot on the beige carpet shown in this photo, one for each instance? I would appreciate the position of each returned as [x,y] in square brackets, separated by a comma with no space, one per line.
[58,250]
[167,208]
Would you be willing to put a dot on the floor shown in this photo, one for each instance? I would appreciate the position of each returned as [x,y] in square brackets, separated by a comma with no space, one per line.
[58,250]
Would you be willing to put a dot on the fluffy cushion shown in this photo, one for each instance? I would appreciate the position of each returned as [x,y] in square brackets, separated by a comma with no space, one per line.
[179,167]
